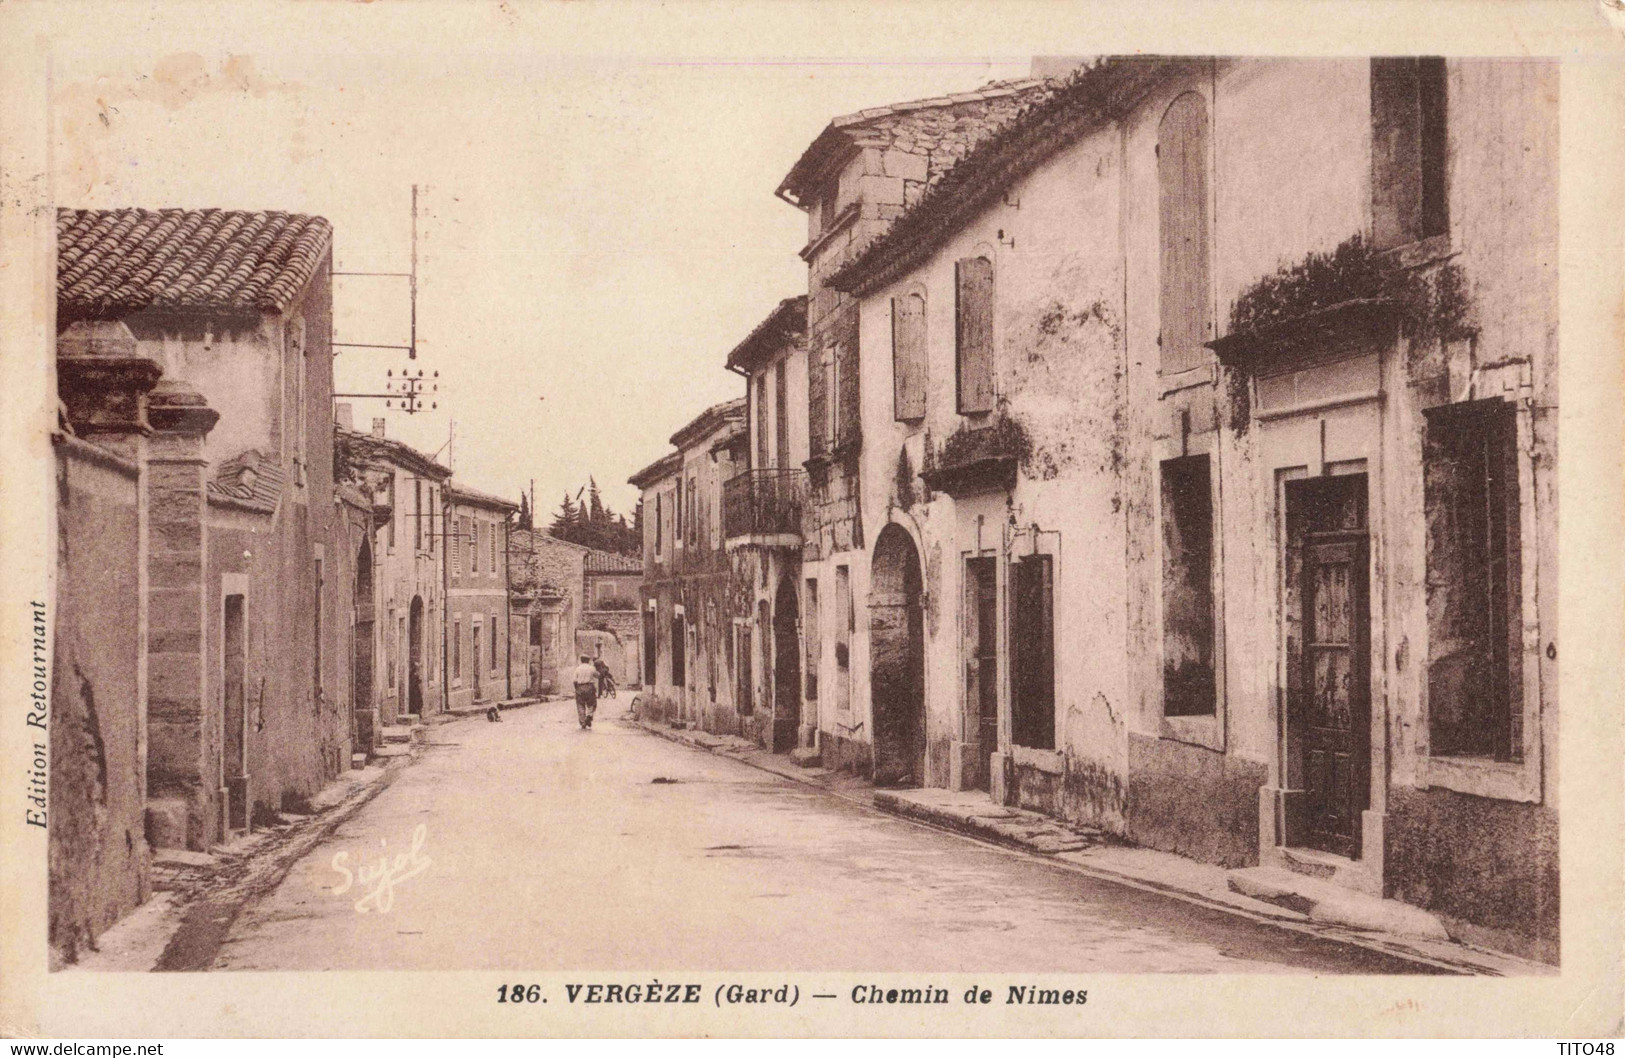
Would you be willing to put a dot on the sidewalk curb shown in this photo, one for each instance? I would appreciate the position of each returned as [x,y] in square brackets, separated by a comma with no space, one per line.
[205,923]
[888,803]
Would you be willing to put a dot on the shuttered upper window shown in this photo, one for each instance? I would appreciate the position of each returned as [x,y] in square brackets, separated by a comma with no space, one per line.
[1187,312]
[973,315]
[908,356]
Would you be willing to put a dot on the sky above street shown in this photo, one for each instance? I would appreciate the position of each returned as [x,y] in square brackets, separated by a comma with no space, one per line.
[594,233]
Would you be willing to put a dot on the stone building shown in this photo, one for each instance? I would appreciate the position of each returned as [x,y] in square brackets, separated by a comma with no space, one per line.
[196,378]
[853,181]
[547,579]
[1208,441]
[610,626]
[762,513]
[693,668]
[399,637]
[479,628]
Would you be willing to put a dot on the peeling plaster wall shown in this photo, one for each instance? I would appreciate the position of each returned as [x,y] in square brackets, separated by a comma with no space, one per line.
[98,859]
[1058,318]
[1289,150]
[1486,862]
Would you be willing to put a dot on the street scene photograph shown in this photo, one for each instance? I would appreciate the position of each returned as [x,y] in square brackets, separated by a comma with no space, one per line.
[1042,516]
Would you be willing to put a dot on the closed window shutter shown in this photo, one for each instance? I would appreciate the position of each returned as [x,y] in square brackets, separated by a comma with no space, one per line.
[974,339]
[1182,178]
[817,402]
[908,355]
[846,375]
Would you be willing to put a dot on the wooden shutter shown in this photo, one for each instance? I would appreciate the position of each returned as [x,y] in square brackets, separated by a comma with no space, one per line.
[847,409]
[761,420]
[974,333]
[781,415]
[1182,178]
[908,356]
[818,439]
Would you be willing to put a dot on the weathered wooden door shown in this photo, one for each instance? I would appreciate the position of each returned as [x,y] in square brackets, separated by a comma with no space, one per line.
[982,661]
[1333,690]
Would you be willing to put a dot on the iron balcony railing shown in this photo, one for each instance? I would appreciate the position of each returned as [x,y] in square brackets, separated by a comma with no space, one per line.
[764,502]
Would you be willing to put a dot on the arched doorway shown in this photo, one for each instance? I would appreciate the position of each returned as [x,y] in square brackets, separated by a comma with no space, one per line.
[897,660]
[786,667]
[414,663]
[362,665]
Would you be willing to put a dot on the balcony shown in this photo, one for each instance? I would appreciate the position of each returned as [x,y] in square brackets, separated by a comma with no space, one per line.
[762,508]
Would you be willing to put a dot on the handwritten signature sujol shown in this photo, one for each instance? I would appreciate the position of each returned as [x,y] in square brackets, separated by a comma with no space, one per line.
[383,874]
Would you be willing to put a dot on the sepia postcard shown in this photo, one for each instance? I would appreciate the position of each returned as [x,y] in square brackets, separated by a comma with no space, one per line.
[803,519]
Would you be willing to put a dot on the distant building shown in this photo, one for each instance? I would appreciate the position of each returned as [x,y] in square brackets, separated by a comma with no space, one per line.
[401,636]
[763,506]
[610,626]
[691,639]
[478,628]
[547,577]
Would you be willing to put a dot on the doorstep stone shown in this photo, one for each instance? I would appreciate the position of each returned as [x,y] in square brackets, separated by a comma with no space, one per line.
[807,757]
[182,858]
[1323,901]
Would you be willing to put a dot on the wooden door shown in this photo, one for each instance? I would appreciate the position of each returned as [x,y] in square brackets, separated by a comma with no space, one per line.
[1333,711]
[982,661]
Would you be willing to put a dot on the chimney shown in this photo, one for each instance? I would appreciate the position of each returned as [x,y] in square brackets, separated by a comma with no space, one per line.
[344,415]
[378,428]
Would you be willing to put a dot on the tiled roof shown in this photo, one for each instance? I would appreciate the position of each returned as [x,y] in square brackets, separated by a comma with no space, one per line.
[663,467]
[786,323]
[118,261]
[474,497]
[1043,126]
[355,447]
[609,562]
[944,128]
[717,415]
[249,479]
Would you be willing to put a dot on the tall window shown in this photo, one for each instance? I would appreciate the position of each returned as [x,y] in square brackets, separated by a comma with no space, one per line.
[393,514]
[417,514]
[1032,652]
[659,515]
[693,520]
[908,357]
[456,551]
[457,650]
[973,334]
[491,533]
[844,626]
[493,641]
[1182,165]
[744,672]
[781,416]
[1409,150]
[1188,686]
[761,420]
[1474,573]
[679,666]
[651,647]
[811,641]
[431,518]
[474,539]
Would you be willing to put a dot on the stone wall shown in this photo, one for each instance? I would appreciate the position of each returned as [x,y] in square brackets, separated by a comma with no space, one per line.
[98,848]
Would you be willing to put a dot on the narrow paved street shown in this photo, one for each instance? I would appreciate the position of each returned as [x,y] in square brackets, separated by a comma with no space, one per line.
[550,848]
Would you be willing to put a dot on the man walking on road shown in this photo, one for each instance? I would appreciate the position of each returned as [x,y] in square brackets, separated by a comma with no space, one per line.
[585,679]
